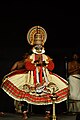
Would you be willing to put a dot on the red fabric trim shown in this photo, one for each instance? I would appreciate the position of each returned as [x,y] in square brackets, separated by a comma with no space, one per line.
[34,72]
[40,67]
[62,94]
[22,95]
[41,74]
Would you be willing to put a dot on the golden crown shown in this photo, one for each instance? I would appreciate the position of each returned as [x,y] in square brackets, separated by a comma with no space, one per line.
[36,30]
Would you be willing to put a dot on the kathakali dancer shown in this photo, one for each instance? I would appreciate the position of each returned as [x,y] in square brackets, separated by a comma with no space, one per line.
[35,83]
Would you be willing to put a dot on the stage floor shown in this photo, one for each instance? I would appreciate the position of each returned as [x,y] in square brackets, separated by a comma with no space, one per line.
[14,116]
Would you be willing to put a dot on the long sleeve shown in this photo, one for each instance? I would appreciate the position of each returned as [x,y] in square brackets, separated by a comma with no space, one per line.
[29,65]
[50,65]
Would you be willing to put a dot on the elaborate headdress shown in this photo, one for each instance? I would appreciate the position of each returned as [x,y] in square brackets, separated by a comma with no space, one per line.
[36,30]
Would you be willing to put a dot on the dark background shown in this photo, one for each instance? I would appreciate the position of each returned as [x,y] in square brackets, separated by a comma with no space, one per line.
[17,17]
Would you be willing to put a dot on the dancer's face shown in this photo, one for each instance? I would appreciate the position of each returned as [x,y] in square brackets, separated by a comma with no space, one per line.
[38,39]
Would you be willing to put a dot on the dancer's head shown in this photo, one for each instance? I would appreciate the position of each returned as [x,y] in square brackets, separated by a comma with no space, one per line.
[36,36]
